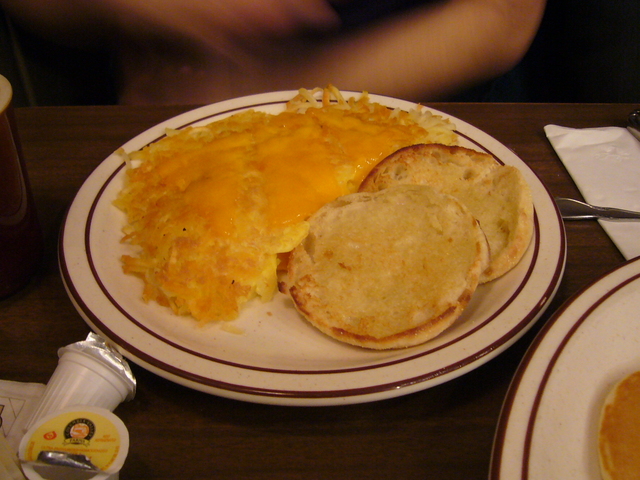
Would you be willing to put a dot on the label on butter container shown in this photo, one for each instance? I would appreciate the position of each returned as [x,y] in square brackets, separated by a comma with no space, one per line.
[87,439]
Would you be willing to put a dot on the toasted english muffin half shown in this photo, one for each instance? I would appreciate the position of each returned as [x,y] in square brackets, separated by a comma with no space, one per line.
[497,195]
[619,432]
[387,270]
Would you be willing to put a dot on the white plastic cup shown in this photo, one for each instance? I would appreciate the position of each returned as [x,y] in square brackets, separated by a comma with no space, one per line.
[82,379]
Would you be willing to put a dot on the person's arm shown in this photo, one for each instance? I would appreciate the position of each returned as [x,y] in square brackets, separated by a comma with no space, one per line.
[431,52]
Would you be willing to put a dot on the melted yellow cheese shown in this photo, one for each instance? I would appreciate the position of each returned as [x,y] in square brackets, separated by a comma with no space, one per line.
[298,168]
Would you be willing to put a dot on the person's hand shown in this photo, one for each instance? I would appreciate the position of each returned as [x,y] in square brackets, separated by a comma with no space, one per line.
[213,22]
[205,24]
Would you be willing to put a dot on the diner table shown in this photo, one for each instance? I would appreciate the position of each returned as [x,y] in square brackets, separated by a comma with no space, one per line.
[444,432]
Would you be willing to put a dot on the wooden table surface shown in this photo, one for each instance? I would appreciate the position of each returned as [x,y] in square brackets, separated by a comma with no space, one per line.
[445,432]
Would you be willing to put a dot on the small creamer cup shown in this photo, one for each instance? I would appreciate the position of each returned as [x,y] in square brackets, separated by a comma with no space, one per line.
[88,374]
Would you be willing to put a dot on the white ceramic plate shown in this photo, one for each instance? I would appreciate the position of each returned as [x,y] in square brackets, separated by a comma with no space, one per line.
[280,358]
[549,423]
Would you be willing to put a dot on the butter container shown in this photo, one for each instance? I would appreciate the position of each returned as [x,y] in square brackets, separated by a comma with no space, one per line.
[76,442]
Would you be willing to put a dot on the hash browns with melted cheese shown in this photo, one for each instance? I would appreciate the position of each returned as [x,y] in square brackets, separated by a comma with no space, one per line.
[210,208]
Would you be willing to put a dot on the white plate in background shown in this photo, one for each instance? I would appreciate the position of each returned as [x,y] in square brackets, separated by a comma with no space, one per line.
[549,423]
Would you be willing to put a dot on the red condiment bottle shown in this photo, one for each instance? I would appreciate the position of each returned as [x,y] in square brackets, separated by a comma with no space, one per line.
[20,233]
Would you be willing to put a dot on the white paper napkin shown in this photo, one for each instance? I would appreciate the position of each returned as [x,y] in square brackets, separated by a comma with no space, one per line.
[605,165]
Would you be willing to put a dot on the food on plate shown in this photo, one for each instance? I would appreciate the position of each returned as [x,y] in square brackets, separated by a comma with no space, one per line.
[389,269]
[497,195]
[212,209]
[619,433]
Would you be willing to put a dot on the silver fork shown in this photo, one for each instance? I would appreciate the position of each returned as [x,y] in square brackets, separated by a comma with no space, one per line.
[577,210]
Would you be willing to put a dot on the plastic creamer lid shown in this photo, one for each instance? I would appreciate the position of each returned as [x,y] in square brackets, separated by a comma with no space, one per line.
[97,347]
[88,442]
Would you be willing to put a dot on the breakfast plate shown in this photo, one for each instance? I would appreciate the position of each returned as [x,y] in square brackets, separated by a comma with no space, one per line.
[270,354]
[549,423]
